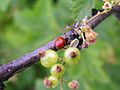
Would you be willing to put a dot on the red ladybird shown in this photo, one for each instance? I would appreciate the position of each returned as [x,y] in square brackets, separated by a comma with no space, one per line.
[60,42]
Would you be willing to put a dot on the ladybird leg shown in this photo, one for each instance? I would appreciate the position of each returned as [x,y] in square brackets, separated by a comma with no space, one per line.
[64,49]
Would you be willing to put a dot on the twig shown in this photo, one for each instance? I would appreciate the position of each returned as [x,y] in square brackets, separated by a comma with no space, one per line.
[8,70]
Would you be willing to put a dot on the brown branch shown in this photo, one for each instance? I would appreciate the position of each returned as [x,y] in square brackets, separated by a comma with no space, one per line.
[8,70]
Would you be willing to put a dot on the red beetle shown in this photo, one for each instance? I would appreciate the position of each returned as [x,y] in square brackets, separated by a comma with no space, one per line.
[60,42]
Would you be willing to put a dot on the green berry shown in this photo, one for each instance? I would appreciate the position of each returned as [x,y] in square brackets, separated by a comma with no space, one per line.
[57,70]
[49,58]
[51,82]
[72,55]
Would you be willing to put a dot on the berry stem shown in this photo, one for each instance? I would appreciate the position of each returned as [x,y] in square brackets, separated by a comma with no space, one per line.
[61,83]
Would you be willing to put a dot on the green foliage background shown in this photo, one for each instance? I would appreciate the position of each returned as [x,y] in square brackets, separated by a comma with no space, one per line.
[28,24]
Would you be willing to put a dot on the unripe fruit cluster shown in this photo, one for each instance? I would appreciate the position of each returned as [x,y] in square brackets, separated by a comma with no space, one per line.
[49,59]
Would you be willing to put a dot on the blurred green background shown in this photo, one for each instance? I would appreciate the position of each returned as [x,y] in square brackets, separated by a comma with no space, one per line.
[28,24]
